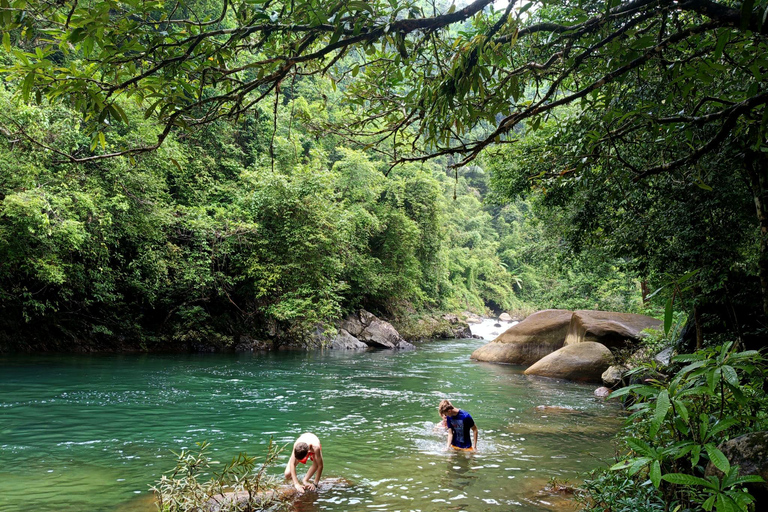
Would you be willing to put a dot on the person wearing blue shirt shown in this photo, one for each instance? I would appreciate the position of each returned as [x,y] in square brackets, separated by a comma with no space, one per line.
[460,424]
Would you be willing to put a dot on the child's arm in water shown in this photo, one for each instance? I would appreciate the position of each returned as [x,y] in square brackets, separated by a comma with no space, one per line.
[291,472]
[316,469]
[474,432]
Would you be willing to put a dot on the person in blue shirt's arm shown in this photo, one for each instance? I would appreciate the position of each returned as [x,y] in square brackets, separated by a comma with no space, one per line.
[459,424]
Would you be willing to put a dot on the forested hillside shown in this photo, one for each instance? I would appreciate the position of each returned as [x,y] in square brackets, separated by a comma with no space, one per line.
[179,172]
[211,238]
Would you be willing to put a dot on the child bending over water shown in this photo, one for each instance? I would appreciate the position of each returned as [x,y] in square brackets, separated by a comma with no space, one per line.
[307,446]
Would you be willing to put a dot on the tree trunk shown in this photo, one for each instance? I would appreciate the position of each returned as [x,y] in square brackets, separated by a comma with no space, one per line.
[757,170]
[644,291]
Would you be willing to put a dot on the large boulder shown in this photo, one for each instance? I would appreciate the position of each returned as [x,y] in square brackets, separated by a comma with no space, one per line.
[374,331]
[750,453]
[614,330]
[581,362]
[525,343]
[345,341]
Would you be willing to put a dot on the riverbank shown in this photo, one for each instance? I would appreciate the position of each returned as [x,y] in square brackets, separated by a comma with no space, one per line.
[412,327]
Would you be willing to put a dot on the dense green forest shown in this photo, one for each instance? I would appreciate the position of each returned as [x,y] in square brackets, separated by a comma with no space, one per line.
[208,238]
[205,169]
[266,225]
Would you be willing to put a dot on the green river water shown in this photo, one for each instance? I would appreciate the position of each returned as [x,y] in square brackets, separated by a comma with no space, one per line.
[91,433]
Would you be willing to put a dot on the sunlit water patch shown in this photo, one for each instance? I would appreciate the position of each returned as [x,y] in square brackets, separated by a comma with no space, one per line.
[92,433]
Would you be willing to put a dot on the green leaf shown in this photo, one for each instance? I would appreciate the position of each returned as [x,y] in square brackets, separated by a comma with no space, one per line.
[713,378]
[683,479]
[693,366]
[725,504]
[641,447]
[638,464]
[748,479]
[624,391]
[26,87]
[662,406]
[174,162]
[655,474]
[120,112]
[730,375]
[746,13]
[695,455]
[7,41]
[718,458]
[621,465]
[709,503]
[723,425]
[668,316]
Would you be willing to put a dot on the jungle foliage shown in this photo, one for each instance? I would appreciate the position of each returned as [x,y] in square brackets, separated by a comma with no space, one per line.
[631,134]
[237,230]
[671,456]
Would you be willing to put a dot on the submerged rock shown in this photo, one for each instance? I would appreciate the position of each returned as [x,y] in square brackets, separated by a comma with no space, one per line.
[614,330]
[580,362]
[555,408]
[525,343]
[602,392]
[282,495]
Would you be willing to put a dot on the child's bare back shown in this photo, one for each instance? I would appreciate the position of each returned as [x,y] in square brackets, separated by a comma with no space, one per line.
[306,447]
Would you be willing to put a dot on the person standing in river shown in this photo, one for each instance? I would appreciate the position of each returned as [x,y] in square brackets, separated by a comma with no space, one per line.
[306,447]
[459,424]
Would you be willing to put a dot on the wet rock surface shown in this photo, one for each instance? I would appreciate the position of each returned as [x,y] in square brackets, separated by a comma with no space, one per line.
[580,362]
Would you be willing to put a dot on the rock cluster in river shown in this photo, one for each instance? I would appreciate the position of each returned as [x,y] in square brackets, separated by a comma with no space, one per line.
[362,330]
[573,345]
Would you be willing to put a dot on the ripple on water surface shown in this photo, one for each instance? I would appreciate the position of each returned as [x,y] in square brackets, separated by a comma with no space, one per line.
[92,433]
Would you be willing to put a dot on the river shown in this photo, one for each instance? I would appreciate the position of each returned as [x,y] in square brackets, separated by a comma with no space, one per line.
[91,433]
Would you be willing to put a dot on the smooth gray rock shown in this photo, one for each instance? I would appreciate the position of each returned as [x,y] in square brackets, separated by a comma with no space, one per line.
[612,376]
[373,331]
[602,392]
[345,341]
[664,357]
[504,317]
